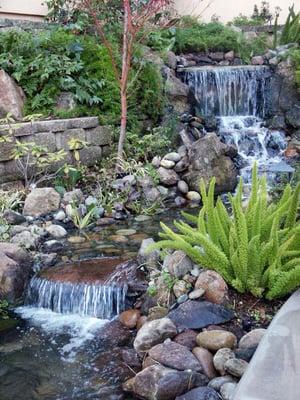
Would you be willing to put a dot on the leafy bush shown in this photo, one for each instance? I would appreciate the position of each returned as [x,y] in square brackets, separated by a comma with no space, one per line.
[257,249]
[291,30]
[295,56]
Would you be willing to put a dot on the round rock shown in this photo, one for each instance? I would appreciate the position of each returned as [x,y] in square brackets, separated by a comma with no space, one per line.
[252,339]
[216,289]
[216,339]
[220,359]
[183,187]
[236,367]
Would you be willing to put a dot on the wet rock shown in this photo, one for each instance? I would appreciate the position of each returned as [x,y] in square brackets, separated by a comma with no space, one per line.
[115,334]
[252,339]
[187,339]
[216,339]
[156,161]
[207,159]
[111,393]
[178,264]
[216,289]
[175,157]
[11,97]
[13,217]
[141,322]
[53,246]
[174,355]
[167,177]
[167,164]
[197,315]
[196,294]
[293,116]
[220,359]
[277,122]
[41,201]
[206,360]
[228,390]
[151,259]
[160,383]
[130,318]
[45,260]
[15,265]
[218,382]
[236,367]
[180,288]
[193,196]
[201,393]
[56,231]
[154,332]
[131,358]
[183,187]
[177,92]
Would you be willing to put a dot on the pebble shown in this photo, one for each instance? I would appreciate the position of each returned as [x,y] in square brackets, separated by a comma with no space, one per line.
[126,232]
[167,164]
[56,231]
[60,215]
[118,238]
[76,239]
[142,218]
[183,187]
[182,299]
[175,157]
[236,367]
[193,196]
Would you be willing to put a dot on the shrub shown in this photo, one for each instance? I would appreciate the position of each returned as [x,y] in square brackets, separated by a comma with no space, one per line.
[257,249]
[291,30]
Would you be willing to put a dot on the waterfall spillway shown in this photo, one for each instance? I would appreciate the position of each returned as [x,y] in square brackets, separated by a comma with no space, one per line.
[95,300]
[238,97]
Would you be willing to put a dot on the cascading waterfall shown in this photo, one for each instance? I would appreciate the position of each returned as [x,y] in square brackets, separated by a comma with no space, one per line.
[237,96]
[94,300]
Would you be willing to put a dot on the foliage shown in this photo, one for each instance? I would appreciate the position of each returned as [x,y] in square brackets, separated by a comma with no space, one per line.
[162,39]
[4,309]
[295,56]
[260,16]
[256,249]
[82,221]
[291,30]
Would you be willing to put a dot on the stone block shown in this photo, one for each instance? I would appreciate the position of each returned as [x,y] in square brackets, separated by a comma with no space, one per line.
[90,155]
[11,172]
[63,138]
[6,151]
[99,136]
[46,139]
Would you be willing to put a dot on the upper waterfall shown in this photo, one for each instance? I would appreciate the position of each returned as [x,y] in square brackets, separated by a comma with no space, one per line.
[229,91]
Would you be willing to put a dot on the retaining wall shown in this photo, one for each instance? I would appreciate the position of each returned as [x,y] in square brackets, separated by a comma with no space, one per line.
[55,135]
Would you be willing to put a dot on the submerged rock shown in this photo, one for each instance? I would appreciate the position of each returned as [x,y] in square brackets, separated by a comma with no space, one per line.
[197,315]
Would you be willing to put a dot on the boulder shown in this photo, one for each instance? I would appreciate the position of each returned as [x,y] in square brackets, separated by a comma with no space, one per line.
[11,97]
[167,177]
[171,60]
[207,159]
[160,383]
[293,117]
[199,314]
[130,318]
[216,289]
[154,332]
[41,201]
[176,91]
[15,265]
[201,393]
[216,339]
[175,157]
[178,264]
[174,355]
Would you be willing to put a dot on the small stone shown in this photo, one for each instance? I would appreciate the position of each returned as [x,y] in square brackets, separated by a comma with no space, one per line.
[167,177]
[157,312]
[56,231]
[245,354]
[183,187]
[229,55]
[182,151]
[257,60]
[187,339]
[193,196]
[182,299]
[228,390]
[218,382]
[196,294]
[13,217]
[178,264]
[126,232]
[180,288]
[236,367]
[252,339]
[53,246]
[175,157]
[60,215]
[156,162]
[180,201]
[206,360]
[130,318]
[76,239]
[26,240]
[167,164]
[216,289]
[142,218]
[216,339]
[118,238]
[220,359]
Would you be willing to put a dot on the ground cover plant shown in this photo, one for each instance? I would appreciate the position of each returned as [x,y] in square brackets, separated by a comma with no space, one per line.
[255,248]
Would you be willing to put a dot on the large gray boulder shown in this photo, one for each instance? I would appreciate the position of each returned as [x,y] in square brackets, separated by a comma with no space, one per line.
[177,92]
[208,158]
[41,201]
[11,97]
[15,264]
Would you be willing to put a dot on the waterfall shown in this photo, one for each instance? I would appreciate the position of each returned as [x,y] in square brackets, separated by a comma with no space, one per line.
[228,91]
[95,300]
[238,97]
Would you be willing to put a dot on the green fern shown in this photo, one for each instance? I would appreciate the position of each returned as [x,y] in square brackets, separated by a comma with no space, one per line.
[256,248]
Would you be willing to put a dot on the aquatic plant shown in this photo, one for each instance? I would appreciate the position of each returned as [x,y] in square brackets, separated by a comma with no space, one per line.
[256,248]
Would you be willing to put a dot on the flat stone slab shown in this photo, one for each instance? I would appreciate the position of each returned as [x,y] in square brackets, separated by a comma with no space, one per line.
[274,371]
[199,314]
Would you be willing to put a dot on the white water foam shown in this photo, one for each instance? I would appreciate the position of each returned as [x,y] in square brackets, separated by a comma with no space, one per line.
[80,329]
